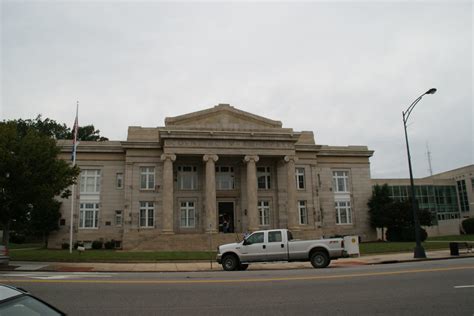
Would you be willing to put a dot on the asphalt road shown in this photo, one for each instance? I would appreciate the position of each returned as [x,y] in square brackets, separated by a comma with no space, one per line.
[444,287]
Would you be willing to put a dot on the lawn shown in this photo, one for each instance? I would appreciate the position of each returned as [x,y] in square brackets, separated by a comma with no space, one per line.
[105,255]
[431,243]
[34,252]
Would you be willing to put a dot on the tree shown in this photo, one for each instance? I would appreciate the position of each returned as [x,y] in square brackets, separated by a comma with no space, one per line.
[46,127]
[89,133]
[31,174]
[45,217]
[395,216]
[56,130]
[401,225]
[468,225]
[379,204]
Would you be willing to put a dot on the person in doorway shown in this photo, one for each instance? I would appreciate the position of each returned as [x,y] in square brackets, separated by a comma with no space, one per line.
[226,225]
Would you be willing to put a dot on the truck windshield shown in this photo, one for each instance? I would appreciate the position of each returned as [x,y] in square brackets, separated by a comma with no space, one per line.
[290,235]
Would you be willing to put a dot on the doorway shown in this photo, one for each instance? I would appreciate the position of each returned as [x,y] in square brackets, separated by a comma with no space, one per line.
[226,217]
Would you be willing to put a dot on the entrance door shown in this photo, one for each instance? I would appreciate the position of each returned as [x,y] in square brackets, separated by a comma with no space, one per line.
[226,217]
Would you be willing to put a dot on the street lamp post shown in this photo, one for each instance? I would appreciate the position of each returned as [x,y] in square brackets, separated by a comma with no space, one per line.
[419,251]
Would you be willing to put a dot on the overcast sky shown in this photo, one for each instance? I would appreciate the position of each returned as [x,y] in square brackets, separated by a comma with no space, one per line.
[344,70]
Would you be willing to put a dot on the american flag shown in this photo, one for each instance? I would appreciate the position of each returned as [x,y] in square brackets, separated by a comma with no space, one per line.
[74,136]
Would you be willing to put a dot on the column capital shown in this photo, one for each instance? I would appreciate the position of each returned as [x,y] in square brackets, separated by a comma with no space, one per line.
[291,158]
[171,157]
[209,157]
[249,158]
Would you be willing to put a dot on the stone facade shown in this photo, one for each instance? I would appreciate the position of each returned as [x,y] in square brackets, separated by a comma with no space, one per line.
[175,187]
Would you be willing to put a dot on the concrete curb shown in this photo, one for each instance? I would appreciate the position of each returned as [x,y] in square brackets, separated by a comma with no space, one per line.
[92,267]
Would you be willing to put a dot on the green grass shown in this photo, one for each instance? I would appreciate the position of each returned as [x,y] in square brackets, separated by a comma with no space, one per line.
[442,242]
[25,246]
[34,252]
[54,255]
[453,238]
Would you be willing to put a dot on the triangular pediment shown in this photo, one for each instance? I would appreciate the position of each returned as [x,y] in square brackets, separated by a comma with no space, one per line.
[222,117]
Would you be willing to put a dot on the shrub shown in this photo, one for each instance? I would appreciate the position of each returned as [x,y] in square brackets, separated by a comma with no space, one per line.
[109,244]
[405,234]
[468,225]
[76,244]
[65,245]
[17,238]
[97,244]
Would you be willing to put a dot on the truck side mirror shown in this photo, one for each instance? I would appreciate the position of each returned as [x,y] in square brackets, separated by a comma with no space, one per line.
[246,242]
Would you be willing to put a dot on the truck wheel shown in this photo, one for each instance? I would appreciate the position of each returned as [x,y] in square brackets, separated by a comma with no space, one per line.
[243,267]
[319,259]
[230,263]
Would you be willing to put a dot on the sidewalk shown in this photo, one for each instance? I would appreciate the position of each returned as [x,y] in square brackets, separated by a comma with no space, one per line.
[206,265]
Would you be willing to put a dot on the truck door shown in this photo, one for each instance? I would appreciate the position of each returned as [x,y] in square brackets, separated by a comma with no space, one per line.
[254,247]
[276,246]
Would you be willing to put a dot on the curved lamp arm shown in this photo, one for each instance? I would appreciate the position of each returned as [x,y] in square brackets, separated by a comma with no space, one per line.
[407,113]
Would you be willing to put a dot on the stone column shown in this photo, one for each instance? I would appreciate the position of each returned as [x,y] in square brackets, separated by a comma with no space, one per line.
[252,198]
[291,193]
[167,193]
[211,212]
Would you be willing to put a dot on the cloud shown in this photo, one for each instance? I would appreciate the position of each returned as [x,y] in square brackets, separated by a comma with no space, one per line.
[343,70]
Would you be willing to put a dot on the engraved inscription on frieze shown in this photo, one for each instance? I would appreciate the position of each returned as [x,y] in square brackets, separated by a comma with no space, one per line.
[227,144]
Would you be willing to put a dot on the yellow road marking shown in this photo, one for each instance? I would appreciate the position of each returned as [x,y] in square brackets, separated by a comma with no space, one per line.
[302,278]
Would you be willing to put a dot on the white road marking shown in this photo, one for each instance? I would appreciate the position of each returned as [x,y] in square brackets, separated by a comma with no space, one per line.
[51,276]
[463,286]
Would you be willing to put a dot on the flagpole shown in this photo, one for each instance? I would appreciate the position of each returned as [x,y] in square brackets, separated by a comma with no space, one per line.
[74,144]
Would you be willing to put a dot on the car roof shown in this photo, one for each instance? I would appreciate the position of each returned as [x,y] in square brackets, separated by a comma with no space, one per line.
[7,291]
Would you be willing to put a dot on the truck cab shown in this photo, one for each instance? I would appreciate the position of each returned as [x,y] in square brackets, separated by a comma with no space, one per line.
[271,245]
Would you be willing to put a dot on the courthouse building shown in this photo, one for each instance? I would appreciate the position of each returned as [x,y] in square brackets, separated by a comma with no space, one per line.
[208,177]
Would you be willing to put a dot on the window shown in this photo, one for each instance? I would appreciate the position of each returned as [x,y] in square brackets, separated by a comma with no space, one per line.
[256,238]
[300,182]
[90,181]
[88,215]
[462,193]
[188,213]
[119,181]
[187,177]
[147,215]
[340,181]
[343,212]
[289,235]
[147,178]
[264,212]
[263,177]
[118,218]
[274,236]
[303,212]
[224,178]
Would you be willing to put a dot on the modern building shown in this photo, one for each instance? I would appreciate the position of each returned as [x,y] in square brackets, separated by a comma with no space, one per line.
[449,196]
[208,177]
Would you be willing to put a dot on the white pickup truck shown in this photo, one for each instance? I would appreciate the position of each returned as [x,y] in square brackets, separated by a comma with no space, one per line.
[278,245]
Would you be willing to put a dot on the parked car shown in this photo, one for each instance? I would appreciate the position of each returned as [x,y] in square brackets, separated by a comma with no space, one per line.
[279,245]
[16,301]
[4,257]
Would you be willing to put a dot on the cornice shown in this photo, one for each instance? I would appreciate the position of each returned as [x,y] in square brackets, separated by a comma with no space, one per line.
[90,146]
[347,151]
[286,135]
